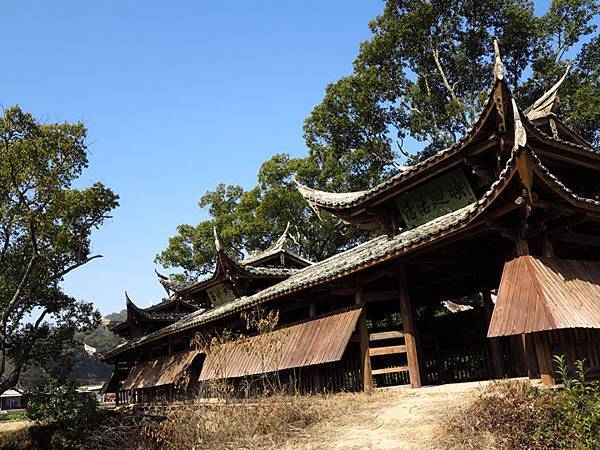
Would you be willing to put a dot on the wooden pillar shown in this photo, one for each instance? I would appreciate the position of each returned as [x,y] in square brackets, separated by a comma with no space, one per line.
[409,325]
[312,311]
[495,343]
[522,247]
[530,355]
[544,357]
[363,335]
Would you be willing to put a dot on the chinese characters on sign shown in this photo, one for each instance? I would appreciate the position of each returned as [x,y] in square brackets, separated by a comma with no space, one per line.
[220,294]
[440,196]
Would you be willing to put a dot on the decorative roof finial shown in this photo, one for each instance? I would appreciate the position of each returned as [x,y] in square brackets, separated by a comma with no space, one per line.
[548,102]
[520,133]
[283,238]
[498,65]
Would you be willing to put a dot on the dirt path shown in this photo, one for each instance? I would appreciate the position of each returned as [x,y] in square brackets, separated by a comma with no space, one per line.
[392,419]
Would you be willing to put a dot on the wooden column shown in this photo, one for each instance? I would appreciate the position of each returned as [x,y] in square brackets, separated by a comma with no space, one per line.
[312,311]
[544,357]
[530,355]
[495,343]
[363,335]
[409,325]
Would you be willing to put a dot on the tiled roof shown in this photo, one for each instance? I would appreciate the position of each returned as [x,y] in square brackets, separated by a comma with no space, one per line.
[376,250]
[339,200]
[270,271]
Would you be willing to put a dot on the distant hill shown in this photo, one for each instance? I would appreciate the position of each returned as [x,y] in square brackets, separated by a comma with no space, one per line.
[86,370]
[117,316]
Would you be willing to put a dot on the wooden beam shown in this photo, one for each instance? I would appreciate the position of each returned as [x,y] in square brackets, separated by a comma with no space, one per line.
[495,343]
[381,296]
[312,309]
[579,238]
[383,335]
[363,334]
[409,324]
[391,350]
[530,356]
[544,358]
[391,370]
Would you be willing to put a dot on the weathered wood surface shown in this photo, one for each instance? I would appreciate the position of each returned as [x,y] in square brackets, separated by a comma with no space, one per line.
[391,370]
[390,350]
[409,325]
[384,335]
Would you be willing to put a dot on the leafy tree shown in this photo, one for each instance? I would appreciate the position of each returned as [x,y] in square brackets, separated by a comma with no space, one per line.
[45,228]
[56,401]
[425,73]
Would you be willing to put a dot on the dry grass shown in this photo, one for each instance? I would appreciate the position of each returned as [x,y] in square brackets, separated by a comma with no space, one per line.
[261,423]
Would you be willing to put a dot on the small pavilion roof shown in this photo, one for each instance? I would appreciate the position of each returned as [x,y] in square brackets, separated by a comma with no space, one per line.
[254,266]
[284,244]
[154,313]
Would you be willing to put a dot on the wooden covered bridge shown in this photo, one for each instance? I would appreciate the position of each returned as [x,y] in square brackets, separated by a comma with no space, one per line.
[486,264]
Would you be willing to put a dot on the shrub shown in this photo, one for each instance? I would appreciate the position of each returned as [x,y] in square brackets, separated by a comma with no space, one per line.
[57,402]
[514,414]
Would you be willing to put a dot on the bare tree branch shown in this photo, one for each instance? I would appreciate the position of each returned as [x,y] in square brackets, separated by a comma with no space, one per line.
[75,266]
[450,89]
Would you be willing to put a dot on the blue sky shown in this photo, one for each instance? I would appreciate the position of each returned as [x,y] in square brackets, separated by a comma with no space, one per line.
[177,97]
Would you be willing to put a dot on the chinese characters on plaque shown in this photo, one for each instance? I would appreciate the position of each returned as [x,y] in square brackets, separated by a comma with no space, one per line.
[219,294]
[439,196]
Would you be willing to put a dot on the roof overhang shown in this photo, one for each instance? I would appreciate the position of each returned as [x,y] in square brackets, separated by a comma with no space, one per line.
[312,342]
[540,294]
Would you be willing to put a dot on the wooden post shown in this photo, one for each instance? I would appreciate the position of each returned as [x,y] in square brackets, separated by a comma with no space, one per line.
[530,356]
[363,335]
[495,343]
[409,325]
[544,357]
[312,311]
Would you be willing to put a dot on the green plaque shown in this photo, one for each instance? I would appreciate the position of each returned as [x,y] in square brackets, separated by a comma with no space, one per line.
[439,196]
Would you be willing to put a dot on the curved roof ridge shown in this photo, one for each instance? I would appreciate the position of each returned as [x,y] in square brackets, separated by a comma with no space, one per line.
[335,200]
[341,264]
[546,104]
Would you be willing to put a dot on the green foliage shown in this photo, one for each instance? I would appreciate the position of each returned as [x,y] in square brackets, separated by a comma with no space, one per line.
[45,229]
[56,401]
[580,403]
[20,415]
[425,73]
[252,220]
[427,70]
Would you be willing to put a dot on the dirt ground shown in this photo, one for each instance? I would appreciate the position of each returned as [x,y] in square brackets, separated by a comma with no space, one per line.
[390,419]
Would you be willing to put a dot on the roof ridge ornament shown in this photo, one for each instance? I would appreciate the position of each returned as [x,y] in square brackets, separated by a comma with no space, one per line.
[498,64]
[520,133]
[167,283]
[547,103]
[281,240]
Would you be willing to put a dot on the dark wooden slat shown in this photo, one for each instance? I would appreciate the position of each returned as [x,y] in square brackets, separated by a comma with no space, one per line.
[385,335]
[390,370]
[391,350]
